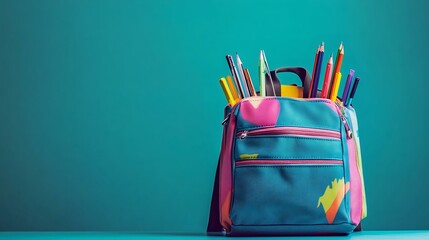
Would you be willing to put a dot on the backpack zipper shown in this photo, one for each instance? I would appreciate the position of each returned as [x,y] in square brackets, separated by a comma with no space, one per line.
[291,131]
[287,162]
[349,132]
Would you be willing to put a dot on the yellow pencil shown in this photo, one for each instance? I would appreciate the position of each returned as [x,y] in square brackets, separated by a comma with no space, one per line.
[335,86]
[226,91]
[232,88]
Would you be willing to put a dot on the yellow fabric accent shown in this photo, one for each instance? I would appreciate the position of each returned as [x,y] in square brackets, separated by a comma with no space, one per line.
[249,156]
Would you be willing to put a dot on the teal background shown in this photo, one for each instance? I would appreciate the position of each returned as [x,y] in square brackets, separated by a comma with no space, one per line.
[110,111]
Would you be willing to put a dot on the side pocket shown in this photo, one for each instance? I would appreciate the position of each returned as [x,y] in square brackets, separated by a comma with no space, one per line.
[355,128]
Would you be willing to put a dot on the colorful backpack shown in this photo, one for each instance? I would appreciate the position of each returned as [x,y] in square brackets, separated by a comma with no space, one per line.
[288,166]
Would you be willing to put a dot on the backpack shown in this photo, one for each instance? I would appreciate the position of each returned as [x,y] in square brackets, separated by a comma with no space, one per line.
[288,166]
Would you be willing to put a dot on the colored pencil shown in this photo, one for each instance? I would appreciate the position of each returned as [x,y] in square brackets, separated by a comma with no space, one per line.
[335,86]
[335,68]
[327,80]
[249,82]
[347,86]
[315,81]
[352,93]
[314,70]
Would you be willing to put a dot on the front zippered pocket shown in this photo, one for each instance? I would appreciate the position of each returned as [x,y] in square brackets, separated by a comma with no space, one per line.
[288,143]
[291,131]
[289,192]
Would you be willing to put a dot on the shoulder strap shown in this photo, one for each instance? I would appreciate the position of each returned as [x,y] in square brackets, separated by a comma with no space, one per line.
[300,71]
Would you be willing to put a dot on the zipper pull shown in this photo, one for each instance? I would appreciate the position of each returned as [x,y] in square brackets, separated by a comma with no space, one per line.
[226,120]
[347,127]
[243,134]
[344,120]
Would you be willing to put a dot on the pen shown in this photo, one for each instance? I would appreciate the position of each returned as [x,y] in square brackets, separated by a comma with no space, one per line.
[267,70]
[327,81]
[235,76]
[227,91]
[347,86]
[317,74]
[242,77]
[335,86]
[352,93]
[261,75]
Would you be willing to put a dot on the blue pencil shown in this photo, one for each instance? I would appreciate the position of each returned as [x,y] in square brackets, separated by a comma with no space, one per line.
[352,93]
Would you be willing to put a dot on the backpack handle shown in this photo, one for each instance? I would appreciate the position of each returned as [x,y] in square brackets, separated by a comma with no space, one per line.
[300,71]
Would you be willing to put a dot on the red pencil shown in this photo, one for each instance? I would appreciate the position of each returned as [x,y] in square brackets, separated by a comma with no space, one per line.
[314,71]
[327,81]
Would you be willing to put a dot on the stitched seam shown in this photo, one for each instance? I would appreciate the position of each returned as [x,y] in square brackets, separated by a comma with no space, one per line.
[296,137]
[283,99]
[285,125]
[292,165]
[292,157]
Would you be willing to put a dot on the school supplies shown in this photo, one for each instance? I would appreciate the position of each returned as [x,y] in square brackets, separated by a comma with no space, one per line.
[261,74]
[249,82]
[267,72]
[314,70]
[327,80]
[335,86]
[243,79]
[275,176]
[227,91]
[337,66]
[315,80]
[232,88]
[352,93]
[235,76]
[347,86]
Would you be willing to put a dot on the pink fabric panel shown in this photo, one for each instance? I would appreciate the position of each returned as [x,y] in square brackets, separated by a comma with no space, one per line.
[355,184]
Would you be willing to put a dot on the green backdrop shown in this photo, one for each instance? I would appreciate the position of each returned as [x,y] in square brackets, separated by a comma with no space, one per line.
[110,111]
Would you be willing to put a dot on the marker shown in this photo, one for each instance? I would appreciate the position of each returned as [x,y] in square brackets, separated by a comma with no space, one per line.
[352,94]
[347,86]
[235,76]
[261,75]
[335,86]
[327,80]
[242,77]
[232,88]
[226,91]
[267,70]
[317,74]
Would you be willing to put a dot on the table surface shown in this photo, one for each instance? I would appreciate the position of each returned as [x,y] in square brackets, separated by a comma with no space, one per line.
[196,236]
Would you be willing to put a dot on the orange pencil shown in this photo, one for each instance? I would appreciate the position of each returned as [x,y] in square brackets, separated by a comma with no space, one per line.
[327,81]
[337,68]
[314,71]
